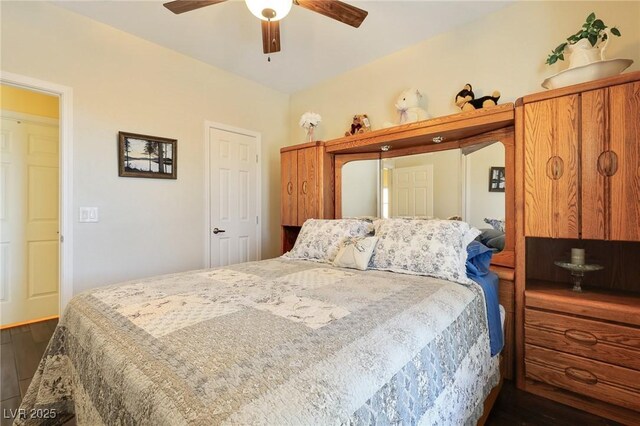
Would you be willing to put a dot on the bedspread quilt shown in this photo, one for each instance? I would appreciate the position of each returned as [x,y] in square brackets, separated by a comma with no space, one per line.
[276,342]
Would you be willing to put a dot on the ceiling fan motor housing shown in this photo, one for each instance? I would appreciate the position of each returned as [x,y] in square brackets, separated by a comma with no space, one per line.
[269,10]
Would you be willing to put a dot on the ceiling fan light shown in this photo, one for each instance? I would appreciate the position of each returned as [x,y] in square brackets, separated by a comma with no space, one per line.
[264,9]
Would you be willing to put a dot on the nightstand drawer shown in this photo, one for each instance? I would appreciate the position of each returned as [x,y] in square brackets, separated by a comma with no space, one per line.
[609,383]
[612,343]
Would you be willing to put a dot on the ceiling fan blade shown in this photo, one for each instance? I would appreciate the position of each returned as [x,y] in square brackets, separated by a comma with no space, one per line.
[335,9]
[181,6]
[270,36]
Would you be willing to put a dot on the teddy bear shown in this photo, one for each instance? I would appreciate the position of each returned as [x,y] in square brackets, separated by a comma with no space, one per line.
[408,105]
[465,99]
[360,124]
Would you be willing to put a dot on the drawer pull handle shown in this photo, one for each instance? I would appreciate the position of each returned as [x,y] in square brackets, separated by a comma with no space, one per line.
[289,188]
[580,375]
[581,337]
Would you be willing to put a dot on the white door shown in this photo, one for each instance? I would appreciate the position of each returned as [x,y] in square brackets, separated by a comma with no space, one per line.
[233,207]
[29,248]
[412,191]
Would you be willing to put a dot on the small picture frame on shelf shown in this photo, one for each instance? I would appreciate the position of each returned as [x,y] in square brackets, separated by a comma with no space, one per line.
[497,180]
[147,156]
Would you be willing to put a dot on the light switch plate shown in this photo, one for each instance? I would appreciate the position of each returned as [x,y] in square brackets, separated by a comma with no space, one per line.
[88,214]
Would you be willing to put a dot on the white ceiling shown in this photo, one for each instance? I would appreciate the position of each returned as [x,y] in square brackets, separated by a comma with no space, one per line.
[314,47]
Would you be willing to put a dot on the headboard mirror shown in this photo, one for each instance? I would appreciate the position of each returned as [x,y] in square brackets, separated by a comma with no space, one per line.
[467,181]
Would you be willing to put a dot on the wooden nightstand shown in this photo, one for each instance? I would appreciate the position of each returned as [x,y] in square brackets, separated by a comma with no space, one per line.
[583,349]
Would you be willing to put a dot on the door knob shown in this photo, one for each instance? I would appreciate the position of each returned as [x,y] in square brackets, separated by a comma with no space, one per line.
[217,231]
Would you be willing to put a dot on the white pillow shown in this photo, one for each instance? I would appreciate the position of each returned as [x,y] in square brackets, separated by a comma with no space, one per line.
[320,239]
[355,253]
[435,248]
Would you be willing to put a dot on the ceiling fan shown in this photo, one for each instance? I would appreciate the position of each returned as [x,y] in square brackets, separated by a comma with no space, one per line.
[272,11]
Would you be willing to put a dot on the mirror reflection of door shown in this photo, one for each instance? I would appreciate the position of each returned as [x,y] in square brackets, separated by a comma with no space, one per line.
[412,193]
[443,184]
[434,188]
[29,210]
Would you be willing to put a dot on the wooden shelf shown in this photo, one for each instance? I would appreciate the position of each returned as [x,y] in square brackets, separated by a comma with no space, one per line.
[579,88]
[454,129]
[607,305]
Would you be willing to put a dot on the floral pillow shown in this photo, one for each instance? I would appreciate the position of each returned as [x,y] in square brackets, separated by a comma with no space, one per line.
[435,248]
[320,240]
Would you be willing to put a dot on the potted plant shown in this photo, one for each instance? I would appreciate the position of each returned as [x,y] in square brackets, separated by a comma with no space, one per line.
[585,46]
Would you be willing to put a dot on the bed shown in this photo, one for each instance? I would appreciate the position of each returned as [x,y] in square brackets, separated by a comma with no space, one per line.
[271,342]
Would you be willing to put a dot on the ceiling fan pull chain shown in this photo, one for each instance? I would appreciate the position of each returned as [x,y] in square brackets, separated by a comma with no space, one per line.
[269,36]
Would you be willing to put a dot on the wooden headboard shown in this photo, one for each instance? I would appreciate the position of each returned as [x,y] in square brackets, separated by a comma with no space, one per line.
[438,134]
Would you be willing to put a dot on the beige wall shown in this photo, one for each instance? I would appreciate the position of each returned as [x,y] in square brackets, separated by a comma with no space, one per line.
[121,82]
[505,51]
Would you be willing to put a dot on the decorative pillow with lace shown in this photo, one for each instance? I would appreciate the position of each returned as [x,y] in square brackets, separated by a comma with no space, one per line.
[355,253]
[435,248]
[320,239]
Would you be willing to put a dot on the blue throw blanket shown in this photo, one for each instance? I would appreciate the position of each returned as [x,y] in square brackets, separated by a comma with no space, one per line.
[478,261]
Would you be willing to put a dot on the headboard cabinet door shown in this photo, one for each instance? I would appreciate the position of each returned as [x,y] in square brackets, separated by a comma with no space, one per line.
[623,162]
[289,188]
[307,184]
[582,157]
[551,167]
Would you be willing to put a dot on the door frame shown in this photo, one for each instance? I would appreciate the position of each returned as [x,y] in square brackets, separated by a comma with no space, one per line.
[207,187]
[65,123]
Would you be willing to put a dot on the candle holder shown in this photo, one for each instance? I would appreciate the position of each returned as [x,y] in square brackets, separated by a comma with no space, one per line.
[577,272]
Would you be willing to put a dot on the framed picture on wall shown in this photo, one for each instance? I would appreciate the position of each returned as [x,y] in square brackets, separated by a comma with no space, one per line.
[147,156]
[496,179]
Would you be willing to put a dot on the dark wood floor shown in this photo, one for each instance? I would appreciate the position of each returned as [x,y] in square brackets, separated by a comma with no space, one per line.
[22,348]
[517,408]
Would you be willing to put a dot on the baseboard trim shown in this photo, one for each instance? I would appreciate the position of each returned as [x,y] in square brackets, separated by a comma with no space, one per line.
[18,324]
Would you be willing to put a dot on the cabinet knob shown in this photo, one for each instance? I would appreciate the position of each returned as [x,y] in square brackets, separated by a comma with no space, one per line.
[608,163]
[304,187]
[555,167]
[289,188]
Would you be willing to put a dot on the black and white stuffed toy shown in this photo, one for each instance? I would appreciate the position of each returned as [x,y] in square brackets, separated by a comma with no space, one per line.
[465,99]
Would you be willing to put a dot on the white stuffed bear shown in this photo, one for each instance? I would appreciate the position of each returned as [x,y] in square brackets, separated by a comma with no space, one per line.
[408,106]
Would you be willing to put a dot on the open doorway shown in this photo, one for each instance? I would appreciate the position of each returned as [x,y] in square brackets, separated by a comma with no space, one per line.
[29,212]
[35,200]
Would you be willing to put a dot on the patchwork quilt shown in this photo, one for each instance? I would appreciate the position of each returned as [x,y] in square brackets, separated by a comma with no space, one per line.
[277,342]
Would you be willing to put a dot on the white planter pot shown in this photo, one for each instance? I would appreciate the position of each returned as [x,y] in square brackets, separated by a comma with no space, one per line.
[582,53]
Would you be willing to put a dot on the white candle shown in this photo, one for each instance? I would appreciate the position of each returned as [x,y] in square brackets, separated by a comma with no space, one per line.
[577,256]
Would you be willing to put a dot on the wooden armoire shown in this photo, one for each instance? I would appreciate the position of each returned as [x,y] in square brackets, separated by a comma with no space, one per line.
[579,187]
[306,188]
